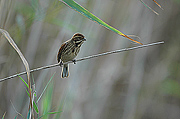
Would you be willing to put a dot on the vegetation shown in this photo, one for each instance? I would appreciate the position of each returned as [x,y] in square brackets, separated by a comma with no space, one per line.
[137,84]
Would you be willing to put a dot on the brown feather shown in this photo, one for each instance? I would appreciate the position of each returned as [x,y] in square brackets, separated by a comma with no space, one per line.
[60,51]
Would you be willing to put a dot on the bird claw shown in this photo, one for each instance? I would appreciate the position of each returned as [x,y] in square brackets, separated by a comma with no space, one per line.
[61,64]
[74,60]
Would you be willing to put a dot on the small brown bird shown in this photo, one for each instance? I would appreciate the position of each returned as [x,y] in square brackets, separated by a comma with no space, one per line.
[68,51]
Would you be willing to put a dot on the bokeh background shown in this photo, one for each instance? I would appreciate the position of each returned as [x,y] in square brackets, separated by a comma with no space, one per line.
[138,84]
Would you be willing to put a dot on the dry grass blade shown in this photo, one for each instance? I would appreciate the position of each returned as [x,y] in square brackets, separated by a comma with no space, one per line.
[13,44]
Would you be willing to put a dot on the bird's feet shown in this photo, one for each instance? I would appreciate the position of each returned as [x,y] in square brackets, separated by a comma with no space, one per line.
[74,60]
[61,64]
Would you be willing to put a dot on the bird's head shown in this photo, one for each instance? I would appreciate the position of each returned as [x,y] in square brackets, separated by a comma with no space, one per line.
[78,39]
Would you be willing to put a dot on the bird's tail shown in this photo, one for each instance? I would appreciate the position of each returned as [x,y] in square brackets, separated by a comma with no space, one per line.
[65,71]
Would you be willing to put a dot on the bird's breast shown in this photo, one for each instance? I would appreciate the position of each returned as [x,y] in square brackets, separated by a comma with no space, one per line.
[71,55]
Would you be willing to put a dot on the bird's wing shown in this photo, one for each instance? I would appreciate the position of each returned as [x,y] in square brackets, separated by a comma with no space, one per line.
[60,51]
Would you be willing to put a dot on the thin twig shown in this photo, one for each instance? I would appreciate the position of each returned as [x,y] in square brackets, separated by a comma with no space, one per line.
[84,58]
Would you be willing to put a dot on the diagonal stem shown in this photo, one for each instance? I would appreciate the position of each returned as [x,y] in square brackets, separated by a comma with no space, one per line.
[84,58]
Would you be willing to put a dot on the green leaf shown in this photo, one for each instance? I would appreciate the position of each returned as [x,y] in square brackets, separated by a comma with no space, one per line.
[27,92]
[75,6]
[34,104]
[35,107]
[15,117]
[150,7]
[4,115]
[54,112]
[45,88]
[29,113]
[49,113]
[24,82]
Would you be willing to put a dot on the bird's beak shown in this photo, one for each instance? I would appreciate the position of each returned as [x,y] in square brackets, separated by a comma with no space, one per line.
[84,39]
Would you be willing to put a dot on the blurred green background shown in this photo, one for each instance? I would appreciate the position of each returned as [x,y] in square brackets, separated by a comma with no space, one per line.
[139,84]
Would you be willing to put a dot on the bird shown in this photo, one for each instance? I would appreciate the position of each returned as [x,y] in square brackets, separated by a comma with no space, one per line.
[68,51]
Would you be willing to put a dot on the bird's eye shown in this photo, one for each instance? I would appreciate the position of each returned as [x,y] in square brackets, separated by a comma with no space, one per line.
[77,41]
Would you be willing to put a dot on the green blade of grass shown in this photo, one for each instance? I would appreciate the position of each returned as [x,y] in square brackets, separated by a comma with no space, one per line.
[4,115]
[34,104]
[148,7]
[75,6]
[24,82]
[47,101]
[27,92]
[15,117]
[49,113]
[54,112]
[29,112]
[35,107]
[45,88]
